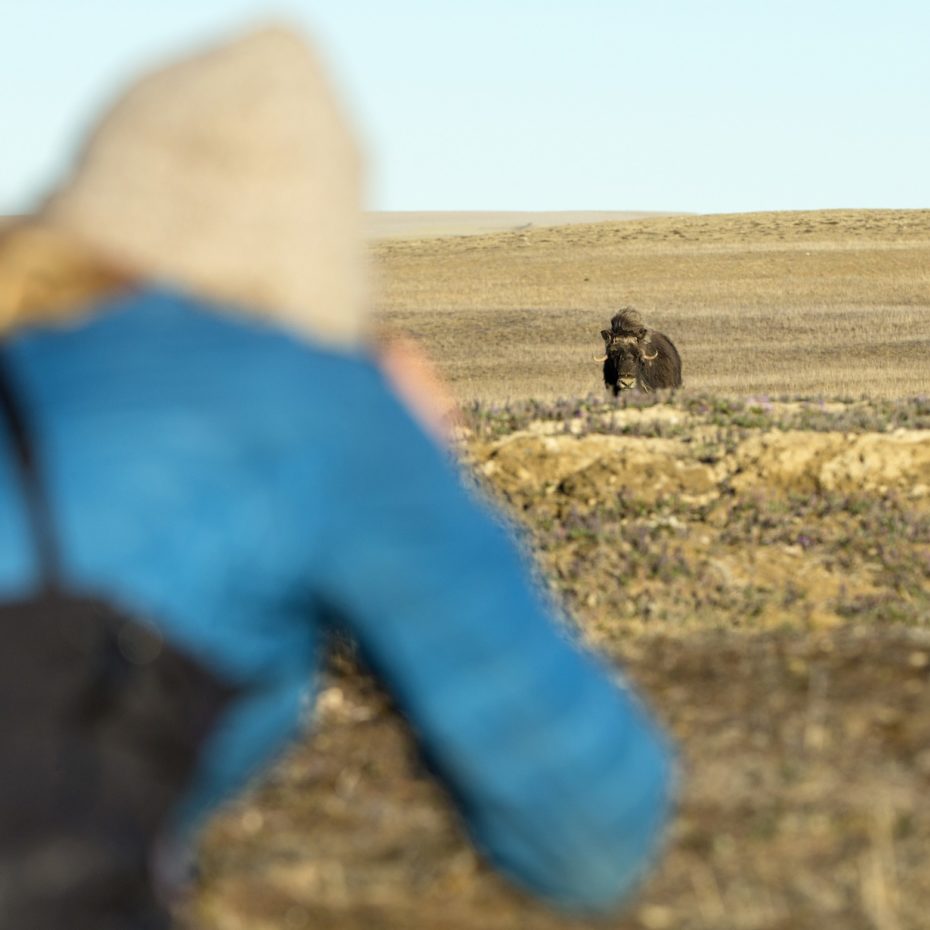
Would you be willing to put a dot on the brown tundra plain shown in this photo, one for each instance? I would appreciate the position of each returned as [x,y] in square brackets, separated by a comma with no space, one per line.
[753,551]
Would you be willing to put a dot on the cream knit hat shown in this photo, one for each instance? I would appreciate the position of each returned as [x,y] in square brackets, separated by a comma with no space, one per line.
[233,174]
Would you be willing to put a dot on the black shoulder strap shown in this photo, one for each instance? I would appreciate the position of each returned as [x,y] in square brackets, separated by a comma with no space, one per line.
[39,513]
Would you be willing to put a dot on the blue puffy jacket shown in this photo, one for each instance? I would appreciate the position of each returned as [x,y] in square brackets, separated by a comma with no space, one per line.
[239,485]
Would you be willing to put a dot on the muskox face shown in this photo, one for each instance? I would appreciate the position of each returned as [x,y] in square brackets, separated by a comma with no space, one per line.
[637,357]
[626,359]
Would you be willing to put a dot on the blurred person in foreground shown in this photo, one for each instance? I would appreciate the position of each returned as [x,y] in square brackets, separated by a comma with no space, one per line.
[203,449]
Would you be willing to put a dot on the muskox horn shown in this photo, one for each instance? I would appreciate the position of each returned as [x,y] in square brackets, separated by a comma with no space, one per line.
[603,358]
[651,358]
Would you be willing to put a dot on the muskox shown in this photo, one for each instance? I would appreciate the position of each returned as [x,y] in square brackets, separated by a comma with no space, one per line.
[638,357]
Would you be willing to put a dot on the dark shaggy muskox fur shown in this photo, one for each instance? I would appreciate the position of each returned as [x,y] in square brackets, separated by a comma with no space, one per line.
[637,356]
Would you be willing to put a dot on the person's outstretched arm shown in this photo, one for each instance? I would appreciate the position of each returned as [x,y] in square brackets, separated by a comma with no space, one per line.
[562,777]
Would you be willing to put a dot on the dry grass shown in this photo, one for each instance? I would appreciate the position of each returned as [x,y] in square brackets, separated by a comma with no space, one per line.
[761,570]
[826,303]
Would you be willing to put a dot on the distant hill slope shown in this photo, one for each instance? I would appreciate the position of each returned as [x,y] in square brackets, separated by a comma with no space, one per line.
[420,224]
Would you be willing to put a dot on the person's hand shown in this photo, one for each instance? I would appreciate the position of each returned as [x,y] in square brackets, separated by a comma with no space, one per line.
[415,380]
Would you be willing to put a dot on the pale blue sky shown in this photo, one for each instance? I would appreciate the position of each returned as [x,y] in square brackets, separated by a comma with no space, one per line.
[715,106]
